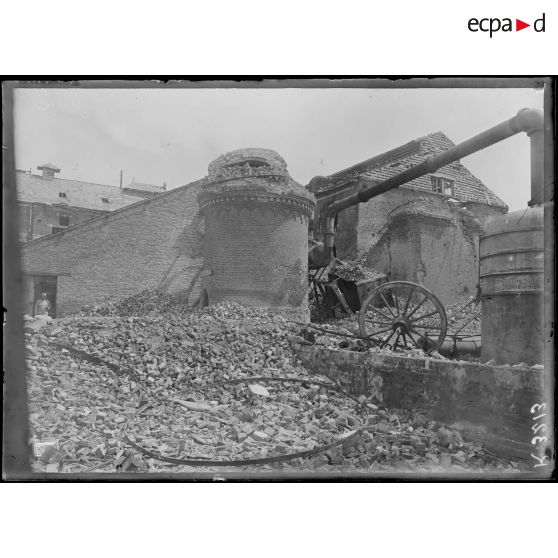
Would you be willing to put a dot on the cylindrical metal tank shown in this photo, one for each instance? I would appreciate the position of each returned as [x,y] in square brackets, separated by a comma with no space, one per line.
[256,233]
[512,287]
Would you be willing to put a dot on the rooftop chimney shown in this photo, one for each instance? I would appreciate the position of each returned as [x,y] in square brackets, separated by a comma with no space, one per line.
[48,170]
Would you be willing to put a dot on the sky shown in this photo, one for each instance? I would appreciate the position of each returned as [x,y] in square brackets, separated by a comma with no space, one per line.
[171,136]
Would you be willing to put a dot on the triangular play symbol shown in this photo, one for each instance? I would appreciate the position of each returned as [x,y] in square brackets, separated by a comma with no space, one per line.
[519,25]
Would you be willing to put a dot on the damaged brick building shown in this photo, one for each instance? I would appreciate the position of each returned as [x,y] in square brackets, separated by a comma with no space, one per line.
[427,230]
[249,203]
[152,244]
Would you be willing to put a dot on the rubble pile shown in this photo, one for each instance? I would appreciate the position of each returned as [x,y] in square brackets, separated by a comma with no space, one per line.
[355,270]
[162,380]
[249,421]
[145,303]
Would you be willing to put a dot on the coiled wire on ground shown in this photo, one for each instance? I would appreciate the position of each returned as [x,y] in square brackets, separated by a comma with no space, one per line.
[221,462]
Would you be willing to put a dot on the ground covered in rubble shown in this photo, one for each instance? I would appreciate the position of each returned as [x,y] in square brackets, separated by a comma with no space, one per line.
[154,392]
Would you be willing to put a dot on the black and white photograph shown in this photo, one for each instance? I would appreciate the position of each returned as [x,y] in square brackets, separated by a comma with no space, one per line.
[279,279]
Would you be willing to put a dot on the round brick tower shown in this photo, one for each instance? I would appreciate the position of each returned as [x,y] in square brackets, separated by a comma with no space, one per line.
[256,232]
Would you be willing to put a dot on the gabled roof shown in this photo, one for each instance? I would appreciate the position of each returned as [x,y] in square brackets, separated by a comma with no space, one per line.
[88,195]
[468,187]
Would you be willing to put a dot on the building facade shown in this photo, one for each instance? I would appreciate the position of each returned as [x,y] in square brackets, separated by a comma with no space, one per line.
[155,243]
[48,204]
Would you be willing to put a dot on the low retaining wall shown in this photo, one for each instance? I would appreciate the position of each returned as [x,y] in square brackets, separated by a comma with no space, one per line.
[487,404]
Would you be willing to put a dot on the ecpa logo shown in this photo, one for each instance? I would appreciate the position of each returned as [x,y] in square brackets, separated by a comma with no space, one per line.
[494,24]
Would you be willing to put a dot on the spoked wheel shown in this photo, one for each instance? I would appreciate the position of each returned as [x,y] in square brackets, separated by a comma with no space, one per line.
[402,315]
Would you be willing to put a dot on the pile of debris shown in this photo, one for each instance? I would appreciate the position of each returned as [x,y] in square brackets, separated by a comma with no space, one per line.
[143,304]
[106,393]
[355,270]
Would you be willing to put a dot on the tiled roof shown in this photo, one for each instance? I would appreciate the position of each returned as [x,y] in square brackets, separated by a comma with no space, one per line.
[34,188]
[467,186]
[115,214]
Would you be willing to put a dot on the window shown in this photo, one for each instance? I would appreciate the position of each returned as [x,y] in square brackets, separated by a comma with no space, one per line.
[105,200]
[442,185]
[62,195]
[64,220]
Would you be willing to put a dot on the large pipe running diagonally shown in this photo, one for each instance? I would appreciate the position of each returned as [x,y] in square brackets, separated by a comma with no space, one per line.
[526,120]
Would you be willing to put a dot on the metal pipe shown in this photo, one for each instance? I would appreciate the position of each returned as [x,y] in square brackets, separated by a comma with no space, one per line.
[526,120]
[537,168]
[453,347]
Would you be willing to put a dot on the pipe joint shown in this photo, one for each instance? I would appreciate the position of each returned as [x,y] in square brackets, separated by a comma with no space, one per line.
[530,120]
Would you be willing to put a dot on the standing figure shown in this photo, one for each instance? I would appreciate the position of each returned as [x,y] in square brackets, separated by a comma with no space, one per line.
[42,306]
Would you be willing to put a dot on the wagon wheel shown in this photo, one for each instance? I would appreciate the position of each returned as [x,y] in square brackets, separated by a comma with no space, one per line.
[403,314]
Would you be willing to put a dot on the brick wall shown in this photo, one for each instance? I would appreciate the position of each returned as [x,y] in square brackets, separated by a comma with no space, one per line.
[486,403]
[153,244]
[258,255]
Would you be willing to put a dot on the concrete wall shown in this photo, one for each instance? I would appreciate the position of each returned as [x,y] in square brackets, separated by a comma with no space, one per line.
[488,404]
[149,245]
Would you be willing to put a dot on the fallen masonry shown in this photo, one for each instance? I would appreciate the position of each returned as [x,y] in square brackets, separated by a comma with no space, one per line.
[108,392]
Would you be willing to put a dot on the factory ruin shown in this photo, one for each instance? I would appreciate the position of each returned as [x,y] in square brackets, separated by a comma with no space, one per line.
[249,234]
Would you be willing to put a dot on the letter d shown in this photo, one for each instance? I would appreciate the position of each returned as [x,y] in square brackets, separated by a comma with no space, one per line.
[535,25]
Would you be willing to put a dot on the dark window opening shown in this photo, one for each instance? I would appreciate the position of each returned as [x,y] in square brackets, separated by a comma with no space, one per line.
[64,220]
[443,185]
[105,200]
[62,195]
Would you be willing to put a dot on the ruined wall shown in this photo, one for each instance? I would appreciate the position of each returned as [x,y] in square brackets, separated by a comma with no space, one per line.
[484,213]
[150,245]
[431,242]
[418,236]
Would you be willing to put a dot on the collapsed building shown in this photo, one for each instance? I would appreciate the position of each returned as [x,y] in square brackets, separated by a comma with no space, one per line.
[241,234]
[427,230]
